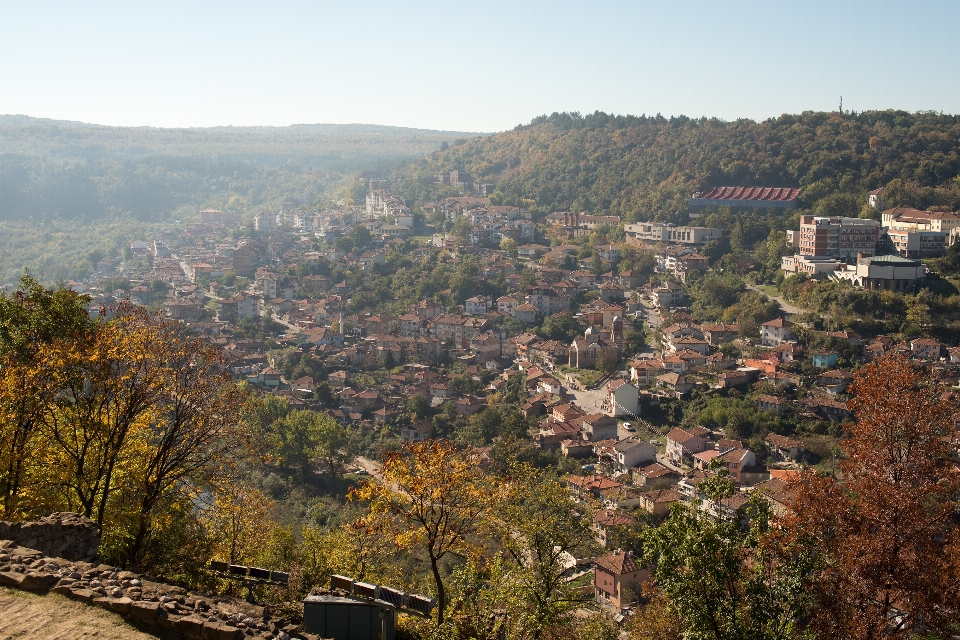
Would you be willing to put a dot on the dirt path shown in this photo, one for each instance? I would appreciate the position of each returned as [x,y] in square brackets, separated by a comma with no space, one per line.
[27,616]
[786,306]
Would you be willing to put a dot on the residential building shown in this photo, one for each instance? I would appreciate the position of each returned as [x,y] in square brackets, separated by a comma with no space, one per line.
[658,501]
[823,359]
[546,300]
[681,444]
[632,452]
[598,426]
[876,201]
[622,398]
[717,334]
[526,313]
[655,475]
[607,521]
[776,332]
[784,448]
[668,296]
[838,237]
[618,580]
[417,432]
[906,219]
[478,305]
[644,372]
[654,232]
[915,244]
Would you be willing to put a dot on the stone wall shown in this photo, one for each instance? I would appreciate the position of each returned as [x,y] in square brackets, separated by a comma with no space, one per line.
[59,535]
[194,616]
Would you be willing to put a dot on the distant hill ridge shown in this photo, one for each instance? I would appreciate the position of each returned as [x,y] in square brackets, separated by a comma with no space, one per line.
[648,167]
[20,120]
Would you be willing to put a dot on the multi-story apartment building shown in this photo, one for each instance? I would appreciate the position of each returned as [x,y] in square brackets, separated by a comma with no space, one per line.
[547,301]
[915,244]
[668,232]
[838,236]
[904,219]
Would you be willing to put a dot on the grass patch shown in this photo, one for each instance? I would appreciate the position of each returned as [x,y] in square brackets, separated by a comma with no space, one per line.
[768,289]
[587,377]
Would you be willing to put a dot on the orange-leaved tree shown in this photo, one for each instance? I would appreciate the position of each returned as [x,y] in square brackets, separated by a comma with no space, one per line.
[886,528]
[439,499]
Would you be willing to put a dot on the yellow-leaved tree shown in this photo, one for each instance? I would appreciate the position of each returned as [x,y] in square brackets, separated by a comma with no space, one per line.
[439,500]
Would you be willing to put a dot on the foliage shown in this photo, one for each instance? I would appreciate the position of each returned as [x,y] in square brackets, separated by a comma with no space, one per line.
[649,166]
[560,326]
[721,580]
[439,499]
[300,439]
[126,419]
[539,527]
[887,532]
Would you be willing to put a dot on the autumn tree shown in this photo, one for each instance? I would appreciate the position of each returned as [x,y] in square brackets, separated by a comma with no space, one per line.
[32,318]
[107,389]
[238,519]
[439,499]
[886,528]
[196,427]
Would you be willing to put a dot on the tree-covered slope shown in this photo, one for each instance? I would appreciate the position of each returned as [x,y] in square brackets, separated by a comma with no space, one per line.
[649,167]
[54,169]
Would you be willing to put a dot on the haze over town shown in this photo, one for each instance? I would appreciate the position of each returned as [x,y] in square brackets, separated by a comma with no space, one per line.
[519,320]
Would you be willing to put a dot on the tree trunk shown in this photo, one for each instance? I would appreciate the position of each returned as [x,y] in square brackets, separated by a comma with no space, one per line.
[441,594]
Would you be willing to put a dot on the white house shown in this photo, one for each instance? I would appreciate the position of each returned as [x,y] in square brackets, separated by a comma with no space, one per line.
[776,332]
[477,306]
[622,398]
[632,452]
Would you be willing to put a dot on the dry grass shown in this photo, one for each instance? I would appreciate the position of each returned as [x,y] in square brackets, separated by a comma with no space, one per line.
[28,616]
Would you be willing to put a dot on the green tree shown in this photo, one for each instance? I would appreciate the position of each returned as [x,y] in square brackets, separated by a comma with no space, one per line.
[721,580]
[560,326]
[539,528]
[607,360]
[360,236]
[301,439]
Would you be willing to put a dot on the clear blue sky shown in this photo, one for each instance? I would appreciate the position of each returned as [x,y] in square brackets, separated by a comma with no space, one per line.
[469,66]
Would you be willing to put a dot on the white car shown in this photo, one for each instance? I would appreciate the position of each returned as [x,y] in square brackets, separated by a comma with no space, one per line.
[628,427]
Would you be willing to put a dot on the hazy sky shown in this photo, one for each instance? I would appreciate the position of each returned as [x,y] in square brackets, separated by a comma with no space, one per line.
[469,66]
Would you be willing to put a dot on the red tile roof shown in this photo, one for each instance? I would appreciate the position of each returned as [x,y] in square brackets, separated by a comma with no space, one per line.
[618,563]
[779,194]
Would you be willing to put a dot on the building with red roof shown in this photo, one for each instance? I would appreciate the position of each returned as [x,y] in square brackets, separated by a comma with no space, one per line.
[780,199]
[617,580]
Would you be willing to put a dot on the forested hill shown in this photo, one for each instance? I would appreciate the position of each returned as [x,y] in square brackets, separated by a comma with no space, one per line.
[327,146]
[51,169]
[648,167]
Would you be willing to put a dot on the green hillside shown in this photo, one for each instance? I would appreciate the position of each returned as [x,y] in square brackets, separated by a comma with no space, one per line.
[649,167]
